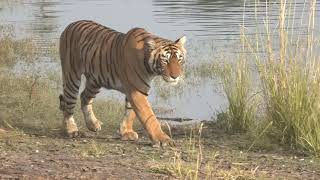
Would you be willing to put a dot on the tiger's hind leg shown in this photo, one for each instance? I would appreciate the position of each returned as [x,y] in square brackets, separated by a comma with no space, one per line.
[67,104]
[126,130]
[90,91]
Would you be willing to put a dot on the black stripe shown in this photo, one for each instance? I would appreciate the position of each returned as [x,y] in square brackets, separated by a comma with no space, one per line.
[69,95]
[73,83]
[145,83]
[105,62]
[92,60]
[94,83]
[146,64]
[117,51]
[100,33]
[109,50]
[107,84]
[92,91]
[128,35]
[111,74]
[100,58]
[146,94]
[71,42]
[155,57]
[144,38]
[88,31]
[122,48]
[74,69]
[89,96]
[70,103]
[92,43]
[140,34]
[83,30]
[111,58]
[84,52]
[85,37]
[73,89]
[100,80]
[166,48]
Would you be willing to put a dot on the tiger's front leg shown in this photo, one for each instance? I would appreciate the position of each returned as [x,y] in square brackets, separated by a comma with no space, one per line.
[147,117]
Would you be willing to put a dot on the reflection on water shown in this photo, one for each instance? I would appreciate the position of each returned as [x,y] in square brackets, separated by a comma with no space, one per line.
[208,24]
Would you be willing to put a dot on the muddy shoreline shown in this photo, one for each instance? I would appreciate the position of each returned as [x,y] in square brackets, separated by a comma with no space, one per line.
[104,155]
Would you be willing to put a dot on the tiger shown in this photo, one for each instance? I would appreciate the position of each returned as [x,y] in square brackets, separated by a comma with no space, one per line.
[126,62]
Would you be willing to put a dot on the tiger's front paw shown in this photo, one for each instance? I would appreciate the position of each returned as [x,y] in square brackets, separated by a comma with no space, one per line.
[70,128]
[129,136]
[162,140]
[93,124]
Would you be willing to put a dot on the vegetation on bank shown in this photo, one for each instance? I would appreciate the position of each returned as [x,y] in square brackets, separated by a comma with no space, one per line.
[272,87]
[288,85]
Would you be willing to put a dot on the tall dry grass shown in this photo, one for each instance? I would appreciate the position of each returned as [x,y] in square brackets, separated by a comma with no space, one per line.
[289,73]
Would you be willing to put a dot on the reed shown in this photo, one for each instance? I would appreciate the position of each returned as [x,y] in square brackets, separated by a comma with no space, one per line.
[289,75]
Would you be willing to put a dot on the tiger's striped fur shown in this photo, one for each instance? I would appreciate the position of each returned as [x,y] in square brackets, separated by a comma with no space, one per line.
[114,60]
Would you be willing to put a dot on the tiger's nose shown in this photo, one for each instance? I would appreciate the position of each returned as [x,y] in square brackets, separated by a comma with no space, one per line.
[175,76]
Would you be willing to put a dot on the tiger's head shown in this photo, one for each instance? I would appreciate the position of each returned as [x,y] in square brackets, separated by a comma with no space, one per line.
[167,59]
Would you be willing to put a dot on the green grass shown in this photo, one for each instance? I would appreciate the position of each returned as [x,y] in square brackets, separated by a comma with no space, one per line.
[236,83]
[273,92]
[289,74]
[31,105]
[13,50]
[184,162]
[235,78]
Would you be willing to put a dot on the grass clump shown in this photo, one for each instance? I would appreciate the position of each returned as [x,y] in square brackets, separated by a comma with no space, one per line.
[292,102]
[28,103]
[93,149]
[291,84]
[185,162]
[13,50]
[289,73]
[236,84]
[31,104]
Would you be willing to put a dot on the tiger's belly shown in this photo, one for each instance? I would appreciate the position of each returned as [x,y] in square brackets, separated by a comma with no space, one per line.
[117,85]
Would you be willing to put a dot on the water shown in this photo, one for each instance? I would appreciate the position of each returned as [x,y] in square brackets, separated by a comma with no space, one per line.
[212,25]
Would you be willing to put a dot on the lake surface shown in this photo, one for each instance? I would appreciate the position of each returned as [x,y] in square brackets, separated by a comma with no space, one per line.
[211,26]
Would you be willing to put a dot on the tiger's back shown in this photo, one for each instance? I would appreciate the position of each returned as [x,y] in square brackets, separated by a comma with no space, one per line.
[91,49]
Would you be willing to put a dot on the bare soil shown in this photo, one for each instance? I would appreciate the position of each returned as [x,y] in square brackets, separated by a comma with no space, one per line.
[104,156]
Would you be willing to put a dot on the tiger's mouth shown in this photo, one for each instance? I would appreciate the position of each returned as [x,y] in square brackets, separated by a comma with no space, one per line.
[170,80]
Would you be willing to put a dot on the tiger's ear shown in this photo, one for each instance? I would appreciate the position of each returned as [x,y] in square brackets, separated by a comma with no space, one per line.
[150,44]
[181,41]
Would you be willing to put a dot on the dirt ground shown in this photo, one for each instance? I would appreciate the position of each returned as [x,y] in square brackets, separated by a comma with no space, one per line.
[105,156]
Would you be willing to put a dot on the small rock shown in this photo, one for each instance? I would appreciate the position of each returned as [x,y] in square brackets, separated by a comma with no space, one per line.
[84,169]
